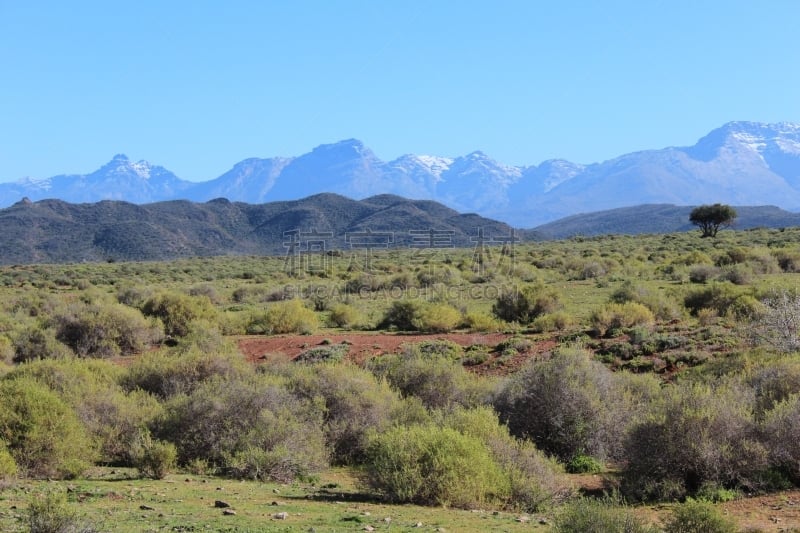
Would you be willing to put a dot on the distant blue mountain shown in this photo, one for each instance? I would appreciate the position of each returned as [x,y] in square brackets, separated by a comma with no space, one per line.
[740,163]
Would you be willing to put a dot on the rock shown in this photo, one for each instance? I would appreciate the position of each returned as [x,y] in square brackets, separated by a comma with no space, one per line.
[368,528]
[280,516]
[219,504]
[418,524]
[274,503]
[387,520]
[229,512]
[524,519]
[146,508]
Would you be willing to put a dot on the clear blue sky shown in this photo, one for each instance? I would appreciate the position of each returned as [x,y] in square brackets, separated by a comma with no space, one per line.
[196,86]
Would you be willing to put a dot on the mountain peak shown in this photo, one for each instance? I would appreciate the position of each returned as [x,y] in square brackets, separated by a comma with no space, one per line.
[120,158]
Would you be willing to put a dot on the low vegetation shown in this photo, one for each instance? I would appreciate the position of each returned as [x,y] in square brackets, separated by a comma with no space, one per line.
[644,360]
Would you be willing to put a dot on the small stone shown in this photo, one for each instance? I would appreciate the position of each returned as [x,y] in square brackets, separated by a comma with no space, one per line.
[366,513]
[146,508]
[418,524]
[387,520]
[368,528]
[219,504]
[276,491]
[543,521]
[274,503]
[229,512]
[280,516]
[524,519]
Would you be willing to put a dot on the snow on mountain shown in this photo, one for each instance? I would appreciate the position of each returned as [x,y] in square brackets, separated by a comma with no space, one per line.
[741,163]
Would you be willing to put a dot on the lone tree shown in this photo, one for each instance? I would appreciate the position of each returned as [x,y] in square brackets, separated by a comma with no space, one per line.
[710,218]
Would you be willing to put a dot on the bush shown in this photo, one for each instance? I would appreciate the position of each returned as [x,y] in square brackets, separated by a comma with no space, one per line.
[524,304]
[91,389]
[222,419]
[564,406]
[402,314]
[290,316]
[438,381]
[429,465]
[724,299]
[153,458]
[8,467]
[695,435]
[536,481]
[607,515]
[558,321]
[703,273]
[323,354]
[165,375]
[345,316]
[38,342]
[355,402]
[177,311]
[698,517]
[584,464]
[778,325]
[41,432]
[50,513]
[481,322]
[782,435]
[613,316]
[437,318]
[105,330]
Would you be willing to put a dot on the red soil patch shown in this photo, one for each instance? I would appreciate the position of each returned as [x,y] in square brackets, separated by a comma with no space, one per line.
[366,345]
[362,345]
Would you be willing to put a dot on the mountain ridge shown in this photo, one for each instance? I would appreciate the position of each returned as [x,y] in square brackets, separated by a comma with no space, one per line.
[738,163]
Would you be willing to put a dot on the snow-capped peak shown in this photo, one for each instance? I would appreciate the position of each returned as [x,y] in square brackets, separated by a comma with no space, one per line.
[433,164]
[142,169]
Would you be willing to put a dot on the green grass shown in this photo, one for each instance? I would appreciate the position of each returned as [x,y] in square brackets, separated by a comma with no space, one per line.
[114,501]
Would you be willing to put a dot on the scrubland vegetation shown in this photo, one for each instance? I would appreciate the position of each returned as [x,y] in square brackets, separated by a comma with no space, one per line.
[667,364]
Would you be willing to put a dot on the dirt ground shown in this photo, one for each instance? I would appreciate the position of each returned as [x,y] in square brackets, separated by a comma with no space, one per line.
[362,345]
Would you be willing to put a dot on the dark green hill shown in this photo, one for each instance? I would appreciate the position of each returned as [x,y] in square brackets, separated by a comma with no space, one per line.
[655,218]
[56,231]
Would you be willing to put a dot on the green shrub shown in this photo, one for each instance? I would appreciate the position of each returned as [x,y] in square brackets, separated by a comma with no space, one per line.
[41,432]
[613,316]
[437,318]
[402,314]
[50,513]
[781,429]
[354,402]
[725,299]
[38,342]
[482,322]
[290,316]
[698,517]
[90,387]
[438,381]
[323,354]
[566,406]
[105,330]
[177,311]
[606,515]
[8,467]
[536,482]
[697,434]
[345,316]
[549,322]
[524,304]
[429,465]
[703,273]
[153,458]
[222,418]
[584,464]
[165,375]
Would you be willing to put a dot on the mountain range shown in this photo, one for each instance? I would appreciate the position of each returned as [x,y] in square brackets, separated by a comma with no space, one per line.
[54,231]
[740,163]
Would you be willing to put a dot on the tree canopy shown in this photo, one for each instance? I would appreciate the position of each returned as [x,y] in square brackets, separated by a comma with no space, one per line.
[710,218]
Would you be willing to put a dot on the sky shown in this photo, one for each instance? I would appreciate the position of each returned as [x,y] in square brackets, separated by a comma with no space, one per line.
[196,86]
